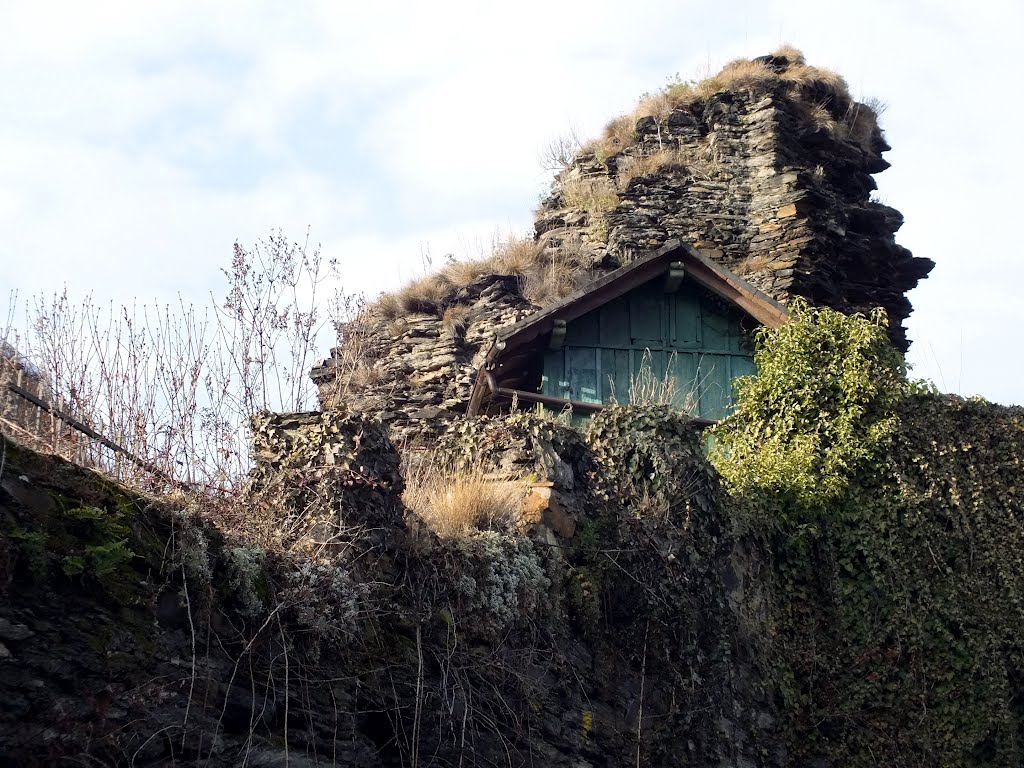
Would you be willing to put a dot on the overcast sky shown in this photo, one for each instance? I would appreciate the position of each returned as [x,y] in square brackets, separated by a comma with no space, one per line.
[139,140]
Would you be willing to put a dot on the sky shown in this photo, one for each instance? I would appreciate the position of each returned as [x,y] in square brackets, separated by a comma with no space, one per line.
[140,140]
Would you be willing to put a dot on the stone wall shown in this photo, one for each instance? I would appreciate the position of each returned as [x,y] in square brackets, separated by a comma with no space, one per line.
[136,633]
[415,372]
[775,196]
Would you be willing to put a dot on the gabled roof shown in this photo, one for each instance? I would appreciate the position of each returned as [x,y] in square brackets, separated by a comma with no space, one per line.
[698,267]
[515,344]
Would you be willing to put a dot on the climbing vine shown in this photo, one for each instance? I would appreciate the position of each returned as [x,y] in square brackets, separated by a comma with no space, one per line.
[893,525]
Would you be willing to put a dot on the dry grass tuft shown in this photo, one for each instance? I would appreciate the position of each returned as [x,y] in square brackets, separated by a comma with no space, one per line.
[455,502]
[455,320]
[860,123]
[594,194]
[807,83]
[646,387]
[742,74]
[816,82]
[660,105]
[366,375]
[563,270]
[516,255]
[462,273]
[665,160]
[619,134]
[759,262]
[388,306]
[428,295]
[698,162]
[819,118]
[790,53]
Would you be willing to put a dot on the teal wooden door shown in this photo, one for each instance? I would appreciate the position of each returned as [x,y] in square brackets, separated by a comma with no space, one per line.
[689,342]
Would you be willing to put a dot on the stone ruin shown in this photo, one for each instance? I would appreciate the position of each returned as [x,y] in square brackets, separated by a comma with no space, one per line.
[766,168]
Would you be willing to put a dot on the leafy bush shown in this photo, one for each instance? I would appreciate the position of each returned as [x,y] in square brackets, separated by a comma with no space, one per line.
[649,457]
[822,403]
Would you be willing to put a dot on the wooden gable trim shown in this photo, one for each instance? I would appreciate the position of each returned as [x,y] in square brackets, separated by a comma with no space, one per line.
[697,266]
[733,288]
[623,280]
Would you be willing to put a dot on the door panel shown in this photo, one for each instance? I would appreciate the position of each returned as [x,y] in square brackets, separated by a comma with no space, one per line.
[687,324]
[583,374]
[615,370]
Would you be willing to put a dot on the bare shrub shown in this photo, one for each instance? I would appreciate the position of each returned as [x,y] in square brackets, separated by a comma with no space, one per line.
[355,360]
[174,387]
[455,502]
[559,153]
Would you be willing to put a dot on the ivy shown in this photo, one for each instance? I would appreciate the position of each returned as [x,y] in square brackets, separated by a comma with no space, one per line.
[892,522]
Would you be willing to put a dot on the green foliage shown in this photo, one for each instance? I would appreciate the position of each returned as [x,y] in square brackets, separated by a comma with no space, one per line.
[32,545]
[191,549]
[532,442]
[82,540]
[822,403]
[893,527]
[323,603]
[98,559]
[247,578]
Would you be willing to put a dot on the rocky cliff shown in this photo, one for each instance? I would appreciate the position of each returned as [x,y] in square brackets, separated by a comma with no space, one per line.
[854,589]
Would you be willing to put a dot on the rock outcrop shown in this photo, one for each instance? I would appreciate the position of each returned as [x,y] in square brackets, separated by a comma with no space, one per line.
[767,167]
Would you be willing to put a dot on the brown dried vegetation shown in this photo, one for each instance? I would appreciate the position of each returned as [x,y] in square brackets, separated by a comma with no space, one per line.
[455,502]
[427,295]
[516,256]
[455,320]
[804,84]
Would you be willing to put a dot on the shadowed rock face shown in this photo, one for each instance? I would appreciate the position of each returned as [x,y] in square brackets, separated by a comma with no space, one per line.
[398,648]
[771,177]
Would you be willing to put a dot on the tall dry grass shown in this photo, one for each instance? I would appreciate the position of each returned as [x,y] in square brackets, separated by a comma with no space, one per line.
[805,84]
[646,387]
[455,501]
